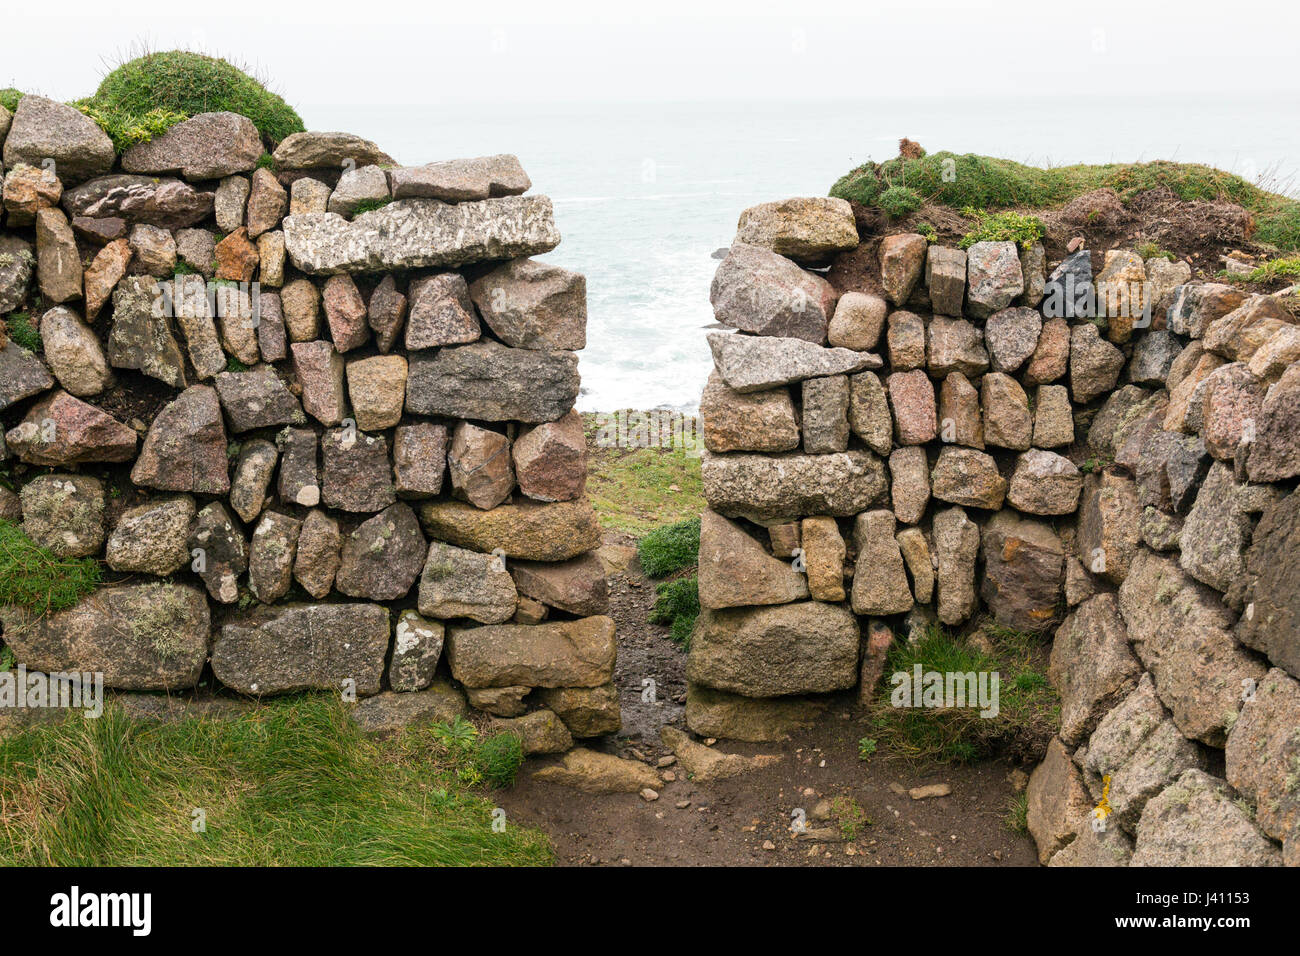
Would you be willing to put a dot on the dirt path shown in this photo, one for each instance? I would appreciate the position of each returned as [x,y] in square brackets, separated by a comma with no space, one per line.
[745,820]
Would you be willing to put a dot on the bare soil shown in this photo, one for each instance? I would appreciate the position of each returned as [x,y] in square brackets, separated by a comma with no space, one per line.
[729,823]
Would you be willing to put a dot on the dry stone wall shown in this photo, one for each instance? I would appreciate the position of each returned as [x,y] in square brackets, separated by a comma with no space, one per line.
[314,415]
[1099,450]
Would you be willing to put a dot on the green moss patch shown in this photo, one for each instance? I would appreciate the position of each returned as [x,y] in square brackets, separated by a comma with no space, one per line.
[969,181]
[35,579]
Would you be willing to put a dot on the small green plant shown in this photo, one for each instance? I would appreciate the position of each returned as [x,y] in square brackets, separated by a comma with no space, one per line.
[498,758]
[234,365]
[1008,226]
[927,231]
[677,604]
[456,734]
[1149,250]
[1017,818]
[7,658]
[36,580]
[899,201]
[9,98]
[369,205]
[266,161]
[23,331]
[671,548]
[849,817]
[866,748]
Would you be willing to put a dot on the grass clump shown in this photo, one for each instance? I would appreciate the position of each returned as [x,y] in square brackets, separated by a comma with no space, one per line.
[1017,818]
[369,205]
[636,489]
[899,201]
[146,96]
[1028,707]
[9,98]
[22,330]
[35,579]
[498,758]
[677,604]
[967,180]
[1006,226]
[292,782]
[669,549]
[1275,269]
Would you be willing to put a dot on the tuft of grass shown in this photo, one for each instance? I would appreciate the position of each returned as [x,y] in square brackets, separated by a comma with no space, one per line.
[1006,226]
[968,180]
[677,604]
[898,201]
[9,98]
[292,782]
[234,365]
[498,758]
[670,549]
[637,489]
[1287,268]
[22,330]
[369,205]
[1017,818]
[266,161]
[35,579]
[145,97]
[1029,709]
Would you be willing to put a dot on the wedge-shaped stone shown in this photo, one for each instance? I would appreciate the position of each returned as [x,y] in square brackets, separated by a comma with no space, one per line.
[1198,821]
[756,290]
[533,305]
[461,180]
[754,363]
[1263,747]
[421,234]
[735,570]
[62,430]
[578,653]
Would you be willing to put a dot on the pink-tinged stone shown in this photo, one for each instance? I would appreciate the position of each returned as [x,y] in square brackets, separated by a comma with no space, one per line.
[902,257]
[419,459]
[62,430]
[911,396]
[479,461]
[346,313]
[104,273]
[319,369]
[185,449]
[551,460]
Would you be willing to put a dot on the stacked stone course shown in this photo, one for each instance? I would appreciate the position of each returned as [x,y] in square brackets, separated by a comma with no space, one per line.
[1098,450]
[314,415]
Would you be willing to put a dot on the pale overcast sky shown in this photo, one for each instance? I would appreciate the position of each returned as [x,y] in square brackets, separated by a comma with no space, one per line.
[432,53]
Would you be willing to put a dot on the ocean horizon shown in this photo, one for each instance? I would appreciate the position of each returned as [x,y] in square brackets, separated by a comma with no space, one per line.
[645,192]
